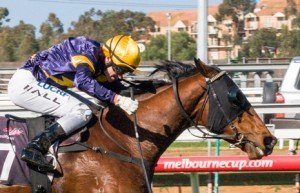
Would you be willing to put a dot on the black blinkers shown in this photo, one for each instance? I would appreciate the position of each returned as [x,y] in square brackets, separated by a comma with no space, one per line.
[237,97]
[226,103]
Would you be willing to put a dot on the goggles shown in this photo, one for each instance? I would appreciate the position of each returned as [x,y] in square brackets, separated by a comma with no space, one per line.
[118,69]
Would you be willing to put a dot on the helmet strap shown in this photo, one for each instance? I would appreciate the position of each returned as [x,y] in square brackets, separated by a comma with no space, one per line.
[108,65]
[110,44]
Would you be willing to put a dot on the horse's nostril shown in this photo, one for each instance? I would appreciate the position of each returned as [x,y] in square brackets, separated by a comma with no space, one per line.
[270,142]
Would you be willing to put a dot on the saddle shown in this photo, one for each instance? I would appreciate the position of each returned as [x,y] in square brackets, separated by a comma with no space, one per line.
[15,133]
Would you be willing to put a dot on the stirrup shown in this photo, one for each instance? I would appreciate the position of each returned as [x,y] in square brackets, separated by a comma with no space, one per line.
[35,158]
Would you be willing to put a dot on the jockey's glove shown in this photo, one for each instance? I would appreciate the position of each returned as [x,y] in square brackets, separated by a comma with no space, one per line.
[127,104]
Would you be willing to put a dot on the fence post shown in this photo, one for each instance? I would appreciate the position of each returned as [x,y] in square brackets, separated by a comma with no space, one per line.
[281,143]
[297,183]
[194,182]
[243,80]
[257,81]
[216,184]
[210,183]
[244,60]
[210,175]
[292,148]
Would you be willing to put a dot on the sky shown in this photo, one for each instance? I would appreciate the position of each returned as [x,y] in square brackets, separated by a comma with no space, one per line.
[36,12]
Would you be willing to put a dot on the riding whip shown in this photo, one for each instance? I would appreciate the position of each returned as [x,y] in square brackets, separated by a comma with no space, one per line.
[139,144]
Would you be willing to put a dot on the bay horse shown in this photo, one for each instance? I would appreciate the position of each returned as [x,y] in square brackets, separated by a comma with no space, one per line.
[200,94]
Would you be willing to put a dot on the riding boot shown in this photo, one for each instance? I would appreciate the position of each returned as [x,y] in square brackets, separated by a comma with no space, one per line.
[39,146]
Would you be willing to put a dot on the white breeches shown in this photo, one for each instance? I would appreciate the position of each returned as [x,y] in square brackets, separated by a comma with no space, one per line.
[25,91]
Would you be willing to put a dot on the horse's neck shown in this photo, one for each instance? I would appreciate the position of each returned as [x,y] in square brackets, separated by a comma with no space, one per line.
[159,121]
[161,115]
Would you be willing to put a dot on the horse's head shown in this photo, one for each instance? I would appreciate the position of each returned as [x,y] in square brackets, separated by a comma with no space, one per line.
[229,112]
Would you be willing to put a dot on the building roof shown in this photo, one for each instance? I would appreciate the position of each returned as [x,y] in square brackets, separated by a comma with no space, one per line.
[186,16]
[271,7]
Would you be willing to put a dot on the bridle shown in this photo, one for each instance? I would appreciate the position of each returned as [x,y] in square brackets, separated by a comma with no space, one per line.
[237,138]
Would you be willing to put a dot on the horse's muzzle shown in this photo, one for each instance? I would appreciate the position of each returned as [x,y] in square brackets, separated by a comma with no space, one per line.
[269,143]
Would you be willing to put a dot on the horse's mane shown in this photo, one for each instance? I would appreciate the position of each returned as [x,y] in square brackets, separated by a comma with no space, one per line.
[175,69]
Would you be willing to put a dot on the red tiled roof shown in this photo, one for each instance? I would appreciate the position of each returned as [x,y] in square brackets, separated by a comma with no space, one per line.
[187,16]
[213,9]
[271,7]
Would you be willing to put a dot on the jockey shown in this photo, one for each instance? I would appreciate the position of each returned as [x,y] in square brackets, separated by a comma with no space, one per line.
[79,62]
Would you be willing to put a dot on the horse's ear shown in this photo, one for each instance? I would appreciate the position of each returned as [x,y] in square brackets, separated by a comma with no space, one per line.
[204,69]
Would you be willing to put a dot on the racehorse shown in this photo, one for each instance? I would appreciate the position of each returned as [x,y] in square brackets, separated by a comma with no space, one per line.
[199,95]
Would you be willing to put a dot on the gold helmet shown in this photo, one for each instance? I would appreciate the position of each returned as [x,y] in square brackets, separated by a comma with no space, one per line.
[123,51]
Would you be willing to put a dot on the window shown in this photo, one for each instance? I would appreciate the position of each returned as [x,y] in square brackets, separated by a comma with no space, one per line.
[280,18]
[193,28]
[297,85]
[214,54]
[180,29]
[251,19]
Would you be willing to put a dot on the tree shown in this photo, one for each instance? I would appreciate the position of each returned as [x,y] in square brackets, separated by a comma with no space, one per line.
[138,25]
[296,22]
[234,8]
[101,26]
[6,37]
[156,49]
[25,43]
[51,31]
[3,15]
[6,45]
[27,47]
[290,9]
[183,47]
[228,40]
[289,43]
[88,25]
[261,39]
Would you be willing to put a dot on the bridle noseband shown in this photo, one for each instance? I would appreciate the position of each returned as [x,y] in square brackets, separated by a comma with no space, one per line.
[237,138]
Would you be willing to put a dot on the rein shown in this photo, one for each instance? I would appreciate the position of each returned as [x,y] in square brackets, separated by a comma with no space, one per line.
[237,137]
[122,157]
